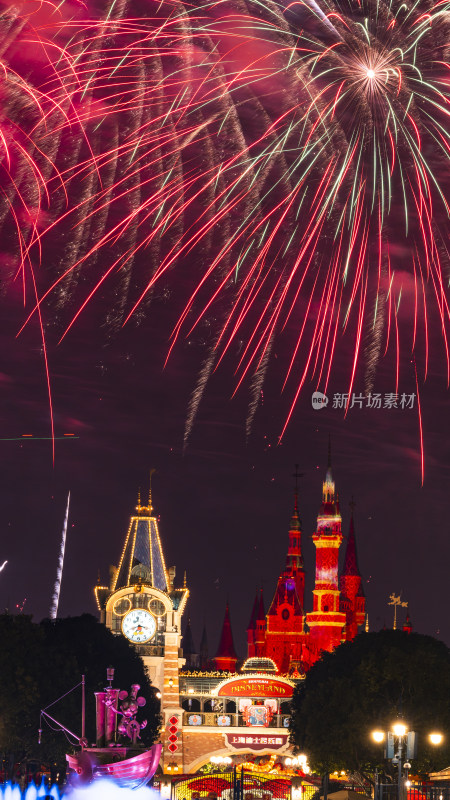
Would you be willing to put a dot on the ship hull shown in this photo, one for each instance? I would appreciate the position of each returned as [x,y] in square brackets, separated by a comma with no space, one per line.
[131,772]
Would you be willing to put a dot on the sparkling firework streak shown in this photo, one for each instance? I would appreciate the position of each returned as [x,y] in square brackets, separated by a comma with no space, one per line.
[284,166]
[3,566]
[59,571]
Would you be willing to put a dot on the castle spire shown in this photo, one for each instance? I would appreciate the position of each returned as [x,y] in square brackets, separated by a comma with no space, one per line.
[254,613]
[294,559]
[261,616]
[188,645]
[351,558]
[150,506]
[204,657]
[225,658]
[295,520]
[142,556]
[326,621]
[407,627]
[351,584]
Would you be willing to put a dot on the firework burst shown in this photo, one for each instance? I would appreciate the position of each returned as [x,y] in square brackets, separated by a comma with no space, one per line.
[284,166]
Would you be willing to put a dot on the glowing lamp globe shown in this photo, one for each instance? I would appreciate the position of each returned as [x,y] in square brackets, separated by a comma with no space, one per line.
[435,738]
[399,729]
[378,736]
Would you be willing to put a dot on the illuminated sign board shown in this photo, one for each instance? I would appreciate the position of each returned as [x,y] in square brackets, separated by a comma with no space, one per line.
[255,687]
[256,741]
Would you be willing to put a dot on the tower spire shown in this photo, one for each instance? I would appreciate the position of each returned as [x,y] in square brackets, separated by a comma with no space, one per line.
[351,558]
[294,559]
[295,521]
[226,657]
[142,556]
[326,621]
[150,490]
[351,584]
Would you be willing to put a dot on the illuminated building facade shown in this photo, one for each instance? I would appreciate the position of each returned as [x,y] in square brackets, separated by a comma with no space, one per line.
[287,634]
[211,710]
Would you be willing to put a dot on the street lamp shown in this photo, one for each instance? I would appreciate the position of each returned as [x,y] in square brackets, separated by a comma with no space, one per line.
[400,730]
[401,743]
[406,741]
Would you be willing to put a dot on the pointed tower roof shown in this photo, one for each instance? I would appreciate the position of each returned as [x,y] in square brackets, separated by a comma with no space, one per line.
[188,640]
[330,498]
[296,524]
[351,557]
[285,592]
[407,627]
[261,617]
[204,644]
[329,454]
[142,557]
[254,614]
[226,644]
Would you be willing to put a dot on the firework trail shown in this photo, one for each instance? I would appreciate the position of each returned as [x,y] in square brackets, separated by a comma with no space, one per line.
[59,571]
[284,166]
[3,566]
[197,395]
[255,391]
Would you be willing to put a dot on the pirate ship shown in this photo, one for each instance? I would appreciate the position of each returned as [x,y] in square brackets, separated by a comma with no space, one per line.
[118,752]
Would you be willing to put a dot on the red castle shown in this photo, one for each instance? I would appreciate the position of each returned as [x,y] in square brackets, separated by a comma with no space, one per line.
[292,638]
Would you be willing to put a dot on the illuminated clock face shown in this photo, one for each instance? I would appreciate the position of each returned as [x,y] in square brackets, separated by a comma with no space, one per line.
[139,626]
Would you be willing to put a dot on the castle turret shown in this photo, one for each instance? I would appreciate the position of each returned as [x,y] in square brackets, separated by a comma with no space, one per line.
[326,621]
[251,628]
[285,617]
[260,627]
[294,558]
[226,658]
[204,654]
[407,627]
[350,583]
[189,654]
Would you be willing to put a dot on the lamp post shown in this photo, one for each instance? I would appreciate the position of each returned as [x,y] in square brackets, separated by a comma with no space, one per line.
[401,747]
[399,730]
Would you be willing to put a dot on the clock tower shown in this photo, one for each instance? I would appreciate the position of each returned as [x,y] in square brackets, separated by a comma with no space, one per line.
[142,604]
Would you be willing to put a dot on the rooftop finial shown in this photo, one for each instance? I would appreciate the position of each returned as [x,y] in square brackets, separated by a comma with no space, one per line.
[296,475]
[150,490]
[138,507]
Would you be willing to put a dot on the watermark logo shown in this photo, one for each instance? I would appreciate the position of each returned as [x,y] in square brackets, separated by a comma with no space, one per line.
[319,400]
[373,400]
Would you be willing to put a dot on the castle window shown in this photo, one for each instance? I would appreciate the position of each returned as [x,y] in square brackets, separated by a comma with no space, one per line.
[285,614]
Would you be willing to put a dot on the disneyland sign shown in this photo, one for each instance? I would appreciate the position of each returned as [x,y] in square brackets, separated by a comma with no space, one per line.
[256,687]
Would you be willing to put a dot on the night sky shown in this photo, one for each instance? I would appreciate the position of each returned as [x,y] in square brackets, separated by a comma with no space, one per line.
[225,504]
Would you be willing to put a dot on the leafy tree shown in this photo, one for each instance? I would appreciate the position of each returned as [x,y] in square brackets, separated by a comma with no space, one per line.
[41,662]
[366,684]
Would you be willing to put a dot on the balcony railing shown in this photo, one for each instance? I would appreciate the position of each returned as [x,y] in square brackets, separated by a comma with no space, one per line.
[220,719]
